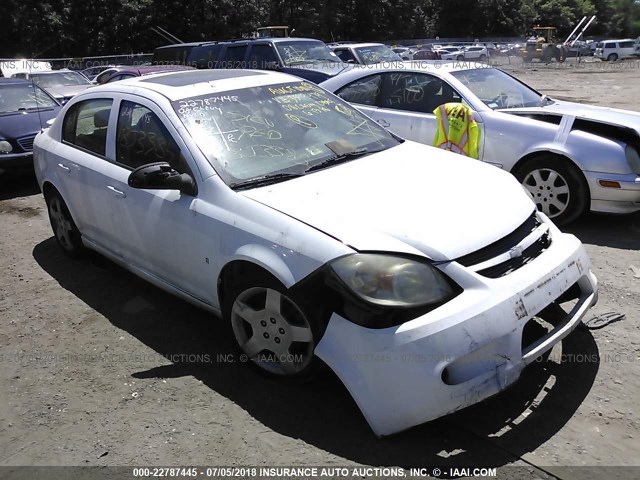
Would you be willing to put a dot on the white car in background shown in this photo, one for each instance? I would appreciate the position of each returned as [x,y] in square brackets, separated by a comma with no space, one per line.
[612,50]
[61,84]
[571,157]
[316,234]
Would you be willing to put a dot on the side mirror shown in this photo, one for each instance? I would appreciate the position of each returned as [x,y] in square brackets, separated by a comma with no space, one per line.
[160,176]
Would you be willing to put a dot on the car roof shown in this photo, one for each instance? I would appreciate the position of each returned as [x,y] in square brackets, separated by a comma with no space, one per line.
[192,83]
[189,44]
[358,45]
[13,81]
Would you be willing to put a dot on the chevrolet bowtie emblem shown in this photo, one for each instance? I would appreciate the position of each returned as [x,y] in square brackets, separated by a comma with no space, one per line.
[516,252]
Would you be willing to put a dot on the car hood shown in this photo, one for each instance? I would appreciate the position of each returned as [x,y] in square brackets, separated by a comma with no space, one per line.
[67,91]
[614,116]
[411,199]
[20,124]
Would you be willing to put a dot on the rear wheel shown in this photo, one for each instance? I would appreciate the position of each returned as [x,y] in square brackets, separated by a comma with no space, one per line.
[273,330]
[612,57]
[483,57]
[64,228]
[460,58]
[557,186]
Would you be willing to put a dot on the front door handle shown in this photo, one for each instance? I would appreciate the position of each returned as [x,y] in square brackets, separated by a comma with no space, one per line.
[383,123]
[64,167]
[117,192]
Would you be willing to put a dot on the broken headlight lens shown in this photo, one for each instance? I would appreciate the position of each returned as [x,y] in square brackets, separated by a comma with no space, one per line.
[392,281]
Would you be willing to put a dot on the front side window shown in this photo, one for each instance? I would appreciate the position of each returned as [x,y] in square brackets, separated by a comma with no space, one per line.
[345,55]
[277,130]
[497,89]
[417,92]
[262,56]
[85,125]
[365,91]
[142,138]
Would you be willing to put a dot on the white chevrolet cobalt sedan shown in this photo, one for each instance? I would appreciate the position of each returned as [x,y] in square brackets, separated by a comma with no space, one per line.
[317,234]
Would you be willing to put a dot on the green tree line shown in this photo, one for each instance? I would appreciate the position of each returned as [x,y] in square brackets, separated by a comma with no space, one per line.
[56,28]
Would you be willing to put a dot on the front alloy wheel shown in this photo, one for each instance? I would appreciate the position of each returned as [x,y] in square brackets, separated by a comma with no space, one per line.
[557,187]
[272,331]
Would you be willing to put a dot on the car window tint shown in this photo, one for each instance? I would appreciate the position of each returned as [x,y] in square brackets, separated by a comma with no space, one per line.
[364,91]
[416,92]
[345,55]
[85,125]
[142,138]
[234,55]
[626,44]
[261,55]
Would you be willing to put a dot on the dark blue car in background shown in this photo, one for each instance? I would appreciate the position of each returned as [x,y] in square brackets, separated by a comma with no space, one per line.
[24,110]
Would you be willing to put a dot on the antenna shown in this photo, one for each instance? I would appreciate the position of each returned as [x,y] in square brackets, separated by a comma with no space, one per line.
[35,97]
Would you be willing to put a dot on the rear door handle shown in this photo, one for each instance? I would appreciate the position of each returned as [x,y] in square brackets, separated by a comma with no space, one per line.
[383,123]
[64,167]
[117,192]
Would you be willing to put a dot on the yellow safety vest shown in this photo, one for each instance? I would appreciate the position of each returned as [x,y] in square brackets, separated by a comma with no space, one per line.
[457,130]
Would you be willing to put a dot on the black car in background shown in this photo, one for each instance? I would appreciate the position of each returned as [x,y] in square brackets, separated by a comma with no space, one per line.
[307,58]
[25,109]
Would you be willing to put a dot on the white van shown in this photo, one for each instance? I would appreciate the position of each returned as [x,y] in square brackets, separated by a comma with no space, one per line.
[612,50]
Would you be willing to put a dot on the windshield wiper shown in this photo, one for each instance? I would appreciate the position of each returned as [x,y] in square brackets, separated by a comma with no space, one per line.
[264,180]
[343,157]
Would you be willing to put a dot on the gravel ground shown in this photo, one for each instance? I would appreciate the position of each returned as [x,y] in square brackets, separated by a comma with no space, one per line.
[100,368]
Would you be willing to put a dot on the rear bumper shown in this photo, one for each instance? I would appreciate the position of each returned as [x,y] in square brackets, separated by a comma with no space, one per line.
[463,352]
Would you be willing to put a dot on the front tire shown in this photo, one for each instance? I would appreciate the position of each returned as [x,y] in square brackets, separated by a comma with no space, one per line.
[272,328]
[612,57]
[64,228]
[558,188]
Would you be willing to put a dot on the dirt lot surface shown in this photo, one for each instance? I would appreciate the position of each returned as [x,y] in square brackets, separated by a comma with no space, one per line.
[98,367]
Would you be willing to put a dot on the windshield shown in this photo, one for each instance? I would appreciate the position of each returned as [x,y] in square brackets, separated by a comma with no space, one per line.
[497,90]
[295,53]
[15,98]
[377,54]
[277,130]
[58,79]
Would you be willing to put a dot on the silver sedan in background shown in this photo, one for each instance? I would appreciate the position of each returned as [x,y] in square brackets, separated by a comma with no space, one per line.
[571,157]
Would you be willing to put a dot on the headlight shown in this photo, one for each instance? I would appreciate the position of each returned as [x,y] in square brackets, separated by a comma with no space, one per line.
[633,159]
[5,147]
[392,281]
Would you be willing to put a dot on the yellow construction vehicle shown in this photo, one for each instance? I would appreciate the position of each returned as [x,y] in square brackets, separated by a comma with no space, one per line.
[542,44]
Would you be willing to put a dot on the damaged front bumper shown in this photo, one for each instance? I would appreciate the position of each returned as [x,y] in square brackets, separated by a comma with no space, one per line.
[464,351]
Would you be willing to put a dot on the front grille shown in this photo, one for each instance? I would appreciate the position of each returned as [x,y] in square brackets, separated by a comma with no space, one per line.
[510,252]
[26,143]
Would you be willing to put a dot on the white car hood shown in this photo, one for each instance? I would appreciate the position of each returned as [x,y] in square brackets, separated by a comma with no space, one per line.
[65,91]
[412,199]
[614,116]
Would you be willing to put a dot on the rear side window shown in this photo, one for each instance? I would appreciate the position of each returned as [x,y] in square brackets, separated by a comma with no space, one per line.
[628,44]
[142,138]
[365,91]
[85,125]
[204,56]
[234,56]
[171,55]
